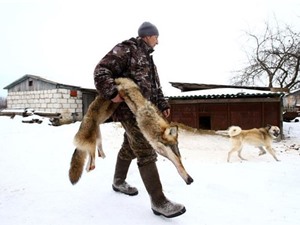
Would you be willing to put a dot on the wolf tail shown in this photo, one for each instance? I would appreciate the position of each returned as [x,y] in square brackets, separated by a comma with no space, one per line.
[234,130]
[77,164]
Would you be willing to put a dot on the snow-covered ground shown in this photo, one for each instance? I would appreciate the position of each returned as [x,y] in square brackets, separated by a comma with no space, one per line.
[35,189]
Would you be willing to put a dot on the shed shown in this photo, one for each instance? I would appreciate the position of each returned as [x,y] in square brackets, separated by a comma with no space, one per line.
[292,101]
[217,111]
[44,95]
[291,105]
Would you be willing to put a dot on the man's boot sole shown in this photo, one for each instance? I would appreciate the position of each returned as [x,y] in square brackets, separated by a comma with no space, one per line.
[130,194]
[182,211]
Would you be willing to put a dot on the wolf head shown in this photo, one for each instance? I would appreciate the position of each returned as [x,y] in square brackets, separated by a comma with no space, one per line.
[170,138]
[168,148]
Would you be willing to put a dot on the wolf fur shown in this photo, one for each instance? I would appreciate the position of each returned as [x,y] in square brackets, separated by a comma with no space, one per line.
[259,137]
[161,135]
[88,137]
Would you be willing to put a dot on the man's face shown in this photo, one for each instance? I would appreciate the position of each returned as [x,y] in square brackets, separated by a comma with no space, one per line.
[152,40]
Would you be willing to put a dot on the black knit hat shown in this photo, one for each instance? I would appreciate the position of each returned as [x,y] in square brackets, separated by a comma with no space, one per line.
[147,29]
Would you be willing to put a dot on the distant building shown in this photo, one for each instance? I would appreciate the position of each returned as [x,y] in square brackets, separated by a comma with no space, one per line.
[292,100]
[202,110]
[40,94]
[291,105]
[207,109]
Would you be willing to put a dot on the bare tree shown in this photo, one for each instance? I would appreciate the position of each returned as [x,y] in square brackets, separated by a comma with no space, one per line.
[274,60]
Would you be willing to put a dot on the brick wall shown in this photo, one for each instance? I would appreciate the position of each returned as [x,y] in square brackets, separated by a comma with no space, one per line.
[54,101]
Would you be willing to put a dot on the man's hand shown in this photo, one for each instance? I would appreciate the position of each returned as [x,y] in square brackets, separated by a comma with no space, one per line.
[117,99]
[166,113]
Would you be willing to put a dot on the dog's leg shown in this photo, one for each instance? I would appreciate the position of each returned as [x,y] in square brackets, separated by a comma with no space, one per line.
[272,152]
[262,151]
[234,149]
[239,154]
[229,155]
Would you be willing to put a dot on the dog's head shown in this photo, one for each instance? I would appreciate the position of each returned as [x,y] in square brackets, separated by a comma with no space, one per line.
[274,131]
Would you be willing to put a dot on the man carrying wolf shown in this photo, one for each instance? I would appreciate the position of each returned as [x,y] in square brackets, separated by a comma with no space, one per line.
[132,59]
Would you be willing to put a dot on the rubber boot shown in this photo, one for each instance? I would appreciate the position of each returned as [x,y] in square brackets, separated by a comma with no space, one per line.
[159,203]
[119,183]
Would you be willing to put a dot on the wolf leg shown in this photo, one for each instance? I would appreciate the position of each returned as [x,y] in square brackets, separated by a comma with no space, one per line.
[99,144]
[159,203]
[91,161]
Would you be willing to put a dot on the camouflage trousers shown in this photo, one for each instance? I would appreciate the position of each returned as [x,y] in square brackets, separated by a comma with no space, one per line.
[135,145]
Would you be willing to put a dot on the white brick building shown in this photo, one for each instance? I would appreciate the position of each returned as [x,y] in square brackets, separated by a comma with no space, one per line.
[47,96]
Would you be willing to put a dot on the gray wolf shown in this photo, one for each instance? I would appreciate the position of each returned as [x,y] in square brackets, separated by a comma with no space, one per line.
[259,137]
[162,136]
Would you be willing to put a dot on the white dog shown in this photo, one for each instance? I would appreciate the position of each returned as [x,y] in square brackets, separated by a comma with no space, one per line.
[258,137]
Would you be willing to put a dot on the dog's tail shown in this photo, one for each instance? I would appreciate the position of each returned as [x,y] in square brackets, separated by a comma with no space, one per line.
[76,165]
[234,130]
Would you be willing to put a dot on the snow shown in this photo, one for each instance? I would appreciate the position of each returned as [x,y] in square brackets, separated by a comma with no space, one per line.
[35,189]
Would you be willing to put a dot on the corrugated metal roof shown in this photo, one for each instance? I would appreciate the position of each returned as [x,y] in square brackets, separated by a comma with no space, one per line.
[194,86]
[227,96]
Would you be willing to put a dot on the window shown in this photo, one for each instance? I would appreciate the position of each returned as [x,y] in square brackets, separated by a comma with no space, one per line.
[73,93]
[204,122]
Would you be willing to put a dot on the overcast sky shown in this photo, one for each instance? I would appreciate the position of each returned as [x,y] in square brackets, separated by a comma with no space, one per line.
[200,41]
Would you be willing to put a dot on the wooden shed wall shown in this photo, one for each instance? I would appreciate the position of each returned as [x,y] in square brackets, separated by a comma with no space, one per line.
[87,99]
[220,114]
[32,85]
